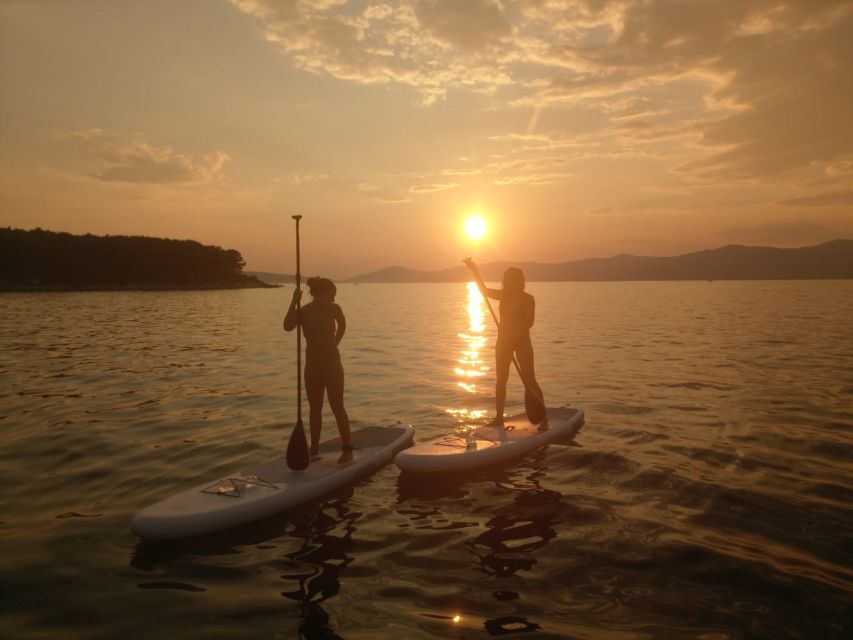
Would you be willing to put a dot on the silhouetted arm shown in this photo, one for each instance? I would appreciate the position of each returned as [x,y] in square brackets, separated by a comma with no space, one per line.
[342,324]
[292,315]
[491,293]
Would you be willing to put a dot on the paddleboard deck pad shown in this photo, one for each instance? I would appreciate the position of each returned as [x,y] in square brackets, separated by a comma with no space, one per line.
[269,488]
[487,445]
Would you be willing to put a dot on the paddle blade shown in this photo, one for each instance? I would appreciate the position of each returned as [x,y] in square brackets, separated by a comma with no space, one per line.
[533,407]
[298,456]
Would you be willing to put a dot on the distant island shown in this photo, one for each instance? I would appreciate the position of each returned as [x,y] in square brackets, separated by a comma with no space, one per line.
[39,260]
[830,260]
[273,278]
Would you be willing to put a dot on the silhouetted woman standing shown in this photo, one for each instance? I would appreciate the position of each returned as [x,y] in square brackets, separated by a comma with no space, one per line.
[517,312]
[323,325]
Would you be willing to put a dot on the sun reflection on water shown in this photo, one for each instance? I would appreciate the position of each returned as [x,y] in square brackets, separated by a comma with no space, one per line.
[471,366]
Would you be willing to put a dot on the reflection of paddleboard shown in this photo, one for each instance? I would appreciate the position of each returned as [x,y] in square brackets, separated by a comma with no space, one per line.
[489,445]
[270,488]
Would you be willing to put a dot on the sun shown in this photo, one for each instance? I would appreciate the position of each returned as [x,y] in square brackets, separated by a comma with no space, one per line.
[476,227]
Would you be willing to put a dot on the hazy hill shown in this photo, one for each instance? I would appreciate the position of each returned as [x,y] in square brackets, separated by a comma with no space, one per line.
[38,260]
[830,260]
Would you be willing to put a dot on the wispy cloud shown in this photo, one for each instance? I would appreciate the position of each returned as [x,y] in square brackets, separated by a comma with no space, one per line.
[532,179]
[841,197]
[451,22]
[432,187]
[759,86]
[409,43]
[303,178]
[133,160]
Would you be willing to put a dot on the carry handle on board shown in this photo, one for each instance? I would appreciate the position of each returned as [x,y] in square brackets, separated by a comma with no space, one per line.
[534,405]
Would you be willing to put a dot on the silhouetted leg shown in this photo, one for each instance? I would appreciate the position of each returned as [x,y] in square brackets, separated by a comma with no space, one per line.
[335,392]
[524,357]
[503,358]
[315,386]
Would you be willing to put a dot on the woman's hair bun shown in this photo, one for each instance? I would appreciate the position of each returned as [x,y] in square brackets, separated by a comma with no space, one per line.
[317,285]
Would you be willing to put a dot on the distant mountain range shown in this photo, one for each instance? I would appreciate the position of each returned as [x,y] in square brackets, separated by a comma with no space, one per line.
[830,260]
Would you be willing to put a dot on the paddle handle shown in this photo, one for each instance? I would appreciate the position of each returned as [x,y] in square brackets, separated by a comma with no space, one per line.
[298,328]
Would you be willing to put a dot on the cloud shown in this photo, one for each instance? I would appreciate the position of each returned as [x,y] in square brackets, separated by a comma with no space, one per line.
[841,167]
[609,211]
[133,160]
[842,197]
[387,194]
[795,86]
[461,172]
[432,187]
[474,25]
[366,187]
[763,88]
[533,179]
[303,178]
[777,77]
[429,45]
[392,199]
[666,202]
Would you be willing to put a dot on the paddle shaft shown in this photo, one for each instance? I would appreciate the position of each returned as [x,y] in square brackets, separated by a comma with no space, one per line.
[498,324]
[298,329]
[298,456]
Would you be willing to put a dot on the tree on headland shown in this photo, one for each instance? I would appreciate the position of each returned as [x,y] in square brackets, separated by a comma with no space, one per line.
[40,259]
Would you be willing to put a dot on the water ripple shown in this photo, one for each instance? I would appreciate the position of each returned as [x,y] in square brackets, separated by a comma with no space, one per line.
[708,495]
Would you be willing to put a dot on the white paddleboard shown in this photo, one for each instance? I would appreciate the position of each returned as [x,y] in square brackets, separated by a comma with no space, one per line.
[489,445]
[269,488]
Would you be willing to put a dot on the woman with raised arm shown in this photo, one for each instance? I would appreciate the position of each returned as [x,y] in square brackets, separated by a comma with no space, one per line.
[323,324]
[517,312]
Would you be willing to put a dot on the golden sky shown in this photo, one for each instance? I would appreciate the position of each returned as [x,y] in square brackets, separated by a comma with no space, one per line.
[578,128]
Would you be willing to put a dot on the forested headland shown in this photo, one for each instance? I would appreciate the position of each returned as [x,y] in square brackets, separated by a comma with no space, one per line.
[39,260]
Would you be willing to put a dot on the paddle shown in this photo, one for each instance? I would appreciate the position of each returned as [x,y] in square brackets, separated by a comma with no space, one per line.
[534,405]
[298,456]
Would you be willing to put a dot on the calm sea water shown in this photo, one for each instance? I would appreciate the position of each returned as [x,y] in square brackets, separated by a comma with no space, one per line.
[708,496]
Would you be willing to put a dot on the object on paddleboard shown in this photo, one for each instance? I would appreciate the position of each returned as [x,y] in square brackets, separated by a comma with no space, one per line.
[489,445]
[266,489]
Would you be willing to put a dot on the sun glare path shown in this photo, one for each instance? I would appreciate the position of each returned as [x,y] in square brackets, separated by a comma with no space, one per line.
[476,227]
[476,312]
[471,366]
